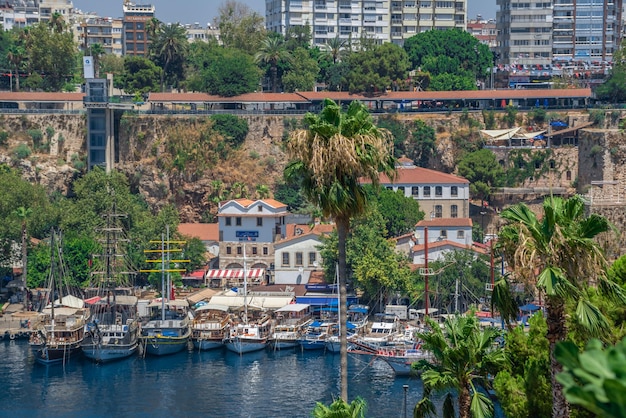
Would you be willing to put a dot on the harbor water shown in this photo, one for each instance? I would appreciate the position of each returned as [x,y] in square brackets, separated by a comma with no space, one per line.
[196,384]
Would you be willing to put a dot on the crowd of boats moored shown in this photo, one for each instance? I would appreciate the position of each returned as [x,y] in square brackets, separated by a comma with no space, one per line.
[108,328]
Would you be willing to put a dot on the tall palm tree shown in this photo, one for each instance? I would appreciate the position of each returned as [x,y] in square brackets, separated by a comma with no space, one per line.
[557,253]
[464,355]
[329,159]
[16,56]
[97,51]
[262,191]
[153,27]
[272,52]
[171,46]
[336,48]
[56,22]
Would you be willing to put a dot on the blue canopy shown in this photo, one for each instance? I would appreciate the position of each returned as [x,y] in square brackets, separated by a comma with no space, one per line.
[559,123]
[529,308]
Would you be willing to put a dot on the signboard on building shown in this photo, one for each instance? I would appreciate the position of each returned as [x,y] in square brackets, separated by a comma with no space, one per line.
[247,235]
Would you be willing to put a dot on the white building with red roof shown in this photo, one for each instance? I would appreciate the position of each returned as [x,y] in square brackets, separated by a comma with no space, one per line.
[297,255]
[443,235]
[251,224]
[440,195]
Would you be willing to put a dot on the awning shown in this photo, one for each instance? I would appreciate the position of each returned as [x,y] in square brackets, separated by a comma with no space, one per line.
[234,274]
[204,294]
[92,300]
[194,275]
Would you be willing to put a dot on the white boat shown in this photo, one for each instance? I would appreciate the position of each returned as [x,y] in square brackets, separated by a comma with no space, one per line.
[382,331]
[291,320]
[249,336]
[168,330]
[210,326]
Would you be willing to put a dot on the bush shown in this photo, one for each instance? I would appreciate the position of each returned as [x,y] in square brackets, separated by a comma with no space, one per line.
[233,129]
[22,151]
[49,132]
[4,137]
[36,135]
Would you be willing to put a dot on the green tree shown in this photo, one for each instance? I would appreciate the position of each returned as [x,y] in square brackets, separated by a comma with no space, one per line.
[454,58]
[483,172]
[340,409]
[298,37]
[234,129]
[23,214]
[195,251]
[335,48]
[557,253]
[169,50]
[140,75]
[594,379]
[421,146]
[400,213]
[57,23]
[231,73]
[51,53]
[377,69]
[523,386]
[240,27]
[613,90]
[16,56]
[97,51]
[302,72]
[398,130]
[330,157]
[464,355]
[272,52]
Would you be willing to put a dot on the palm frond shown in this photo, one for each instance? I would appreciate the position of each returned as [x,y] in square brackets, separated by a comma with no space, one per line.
[448,407]
[502,300]
[591,318]
[481,406]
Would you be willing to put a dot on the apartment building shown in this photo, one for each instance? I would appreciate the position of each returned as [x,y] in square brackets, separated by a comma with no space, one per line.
[135,36]
[104,31]
[378,20]
[541,33]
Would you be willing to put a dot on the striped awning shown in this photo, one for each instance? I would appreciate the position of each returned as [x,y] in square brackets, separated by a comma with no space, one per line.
[234,274]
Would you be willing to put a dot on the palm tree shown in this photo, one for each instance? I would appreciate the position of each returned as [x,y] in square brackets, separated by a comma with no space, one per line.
[329,159]
[239,190]
[16,56]
[57,23]
[464,355]
[97,51]
[558,254]
[23,214]
[153,27]
[262,191]
[272,52]
[335,48]
[341,409]
[171,45]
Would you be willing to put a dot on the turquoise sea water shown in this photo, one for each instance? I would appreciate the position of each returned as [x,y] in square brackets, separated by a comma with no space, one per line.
[195,384]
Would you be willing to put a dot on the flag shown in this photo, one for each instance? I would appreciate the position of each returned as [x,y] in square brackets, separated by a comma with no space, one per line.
[172,295]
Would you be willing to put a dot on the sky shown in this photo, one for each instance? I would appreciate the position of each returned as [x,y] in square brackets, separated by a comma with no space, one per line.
[204,11]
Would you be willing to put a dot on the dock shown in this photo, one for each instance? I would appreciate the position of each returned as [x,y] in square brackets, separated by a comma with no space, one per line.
[15,322]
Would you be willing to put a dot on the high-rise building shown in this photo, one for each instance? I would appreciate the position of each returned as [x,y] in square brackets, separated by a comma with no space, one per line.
[580,31]
[104,31]
[135,36]
[377,20]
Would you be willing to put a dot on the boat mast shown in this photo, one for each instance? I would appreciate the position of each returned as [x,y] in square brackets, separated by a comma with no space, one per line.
[162,277]
[245,286]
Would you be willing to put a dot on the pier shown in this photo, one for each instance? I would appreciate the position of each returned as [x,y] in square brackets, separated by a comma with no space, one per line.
[15,322]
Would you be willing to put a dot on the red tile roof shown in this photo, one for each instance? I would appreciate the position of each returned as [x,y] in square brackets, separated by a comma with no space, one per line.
[437,222]
[248,202]
[41,97]
[419,175]
[317,229]
[204,232]
[248,97]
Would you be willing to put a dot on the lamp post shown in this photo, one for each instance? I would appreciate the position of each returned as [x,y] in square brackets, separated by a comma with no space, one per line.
[406,388]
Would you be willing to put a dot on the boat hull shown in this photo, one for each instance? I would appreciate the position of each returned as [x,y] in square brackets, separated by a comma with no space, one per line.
[58,354]
[241,346]
[312,345]
[163,345]
[104,353]
[207,344]
[284,344]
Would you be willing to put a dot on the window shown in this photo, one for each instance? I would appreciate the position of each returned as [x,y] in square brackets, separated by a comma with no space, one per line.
[401,189]
[415,191]
[285,259]
[254,251]
[568,175]
[312,258]
[229,250]
[454,191]
[438,211]
[238,221]
[389,188]
[298,258]
[443,234]
[460,234]
[239,251]
[228,221]
[259,221]
[454,211]
[552,164]
[426,191]
[438,191]
[265,251]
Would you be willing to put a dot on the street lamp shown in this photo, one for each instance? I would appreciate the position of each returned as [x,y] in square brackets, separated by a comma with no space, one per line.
[406,388]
